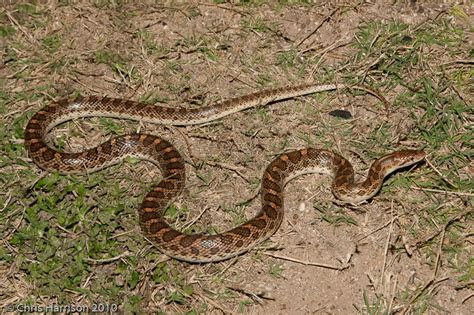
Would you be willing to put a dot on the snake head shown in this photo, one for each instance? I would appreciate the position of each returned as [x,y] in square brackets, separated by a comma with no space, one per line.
[401,159]
[410,157]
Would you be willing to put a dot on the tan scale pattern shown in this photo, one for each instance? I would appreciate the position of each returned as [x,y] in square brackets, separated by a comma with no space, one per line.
[198,247]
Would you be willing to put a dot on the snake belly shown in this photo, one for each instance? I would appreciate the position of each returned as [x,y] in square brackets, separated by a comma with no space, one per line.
[200,247]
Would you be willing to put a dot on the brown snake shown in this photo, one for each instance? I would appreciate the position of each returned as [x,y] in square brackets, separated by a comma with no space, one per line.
[199,247]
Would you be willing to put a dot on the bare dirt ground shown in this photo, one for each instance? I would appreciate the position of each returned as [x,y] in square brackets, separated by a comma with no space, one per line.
[74,240]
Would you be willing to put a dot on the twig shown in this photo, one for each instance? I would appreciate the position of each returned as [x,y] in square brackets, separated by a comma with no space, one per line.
[333,46]
[440,249]
[7,202]
[459,193]
[223,7]
[190,223]
[445,226]
[416,296]
[439,173]
[467,298]
[254,296]
[326,19]
[321,54]
[188,146]
[28,35]
[387,243]
[233,168]
[309,263]
[105,260]
[438,258]
[464,285]
[374,93]
[213,303]
[377,229]
[453,87]
[366,72]
[461,61]
[229,264]
[390,306]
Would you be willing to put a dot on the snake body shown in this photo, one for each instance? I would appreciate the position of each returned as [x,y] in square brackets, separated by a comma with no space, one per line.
[200,247]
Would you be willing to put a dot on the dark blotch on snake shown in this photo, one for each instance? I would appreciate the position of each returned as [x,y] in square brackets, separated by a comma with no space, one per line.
[269,184]
[278,163]
[34,147]
[156,227]
[188,240]
[162,145]
[342,163]
[128,103]
[92,154]
[271,226]
[258,223]
[53,108]
[376,168]
[102,158]
[226,239]
[346,170]
[182,111]
[174,247]
[34,125]
[270,212]
[294,156]
[30,135]
[194,251]
[148,140]
[239,243]
[167,184]
[273,174]
[312,153]
[170,235]
[240,230]
[48,155]
[39,116]
[149,204]
[106,147]
[214,250]
[272,198]
[174,165]
[340,181]
[146,216]
[170,155]
[133,137]
[156,194]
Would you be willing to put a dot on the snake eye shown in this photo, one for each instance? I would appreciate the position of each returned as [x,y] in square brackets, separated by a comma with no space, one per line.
[414,157]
